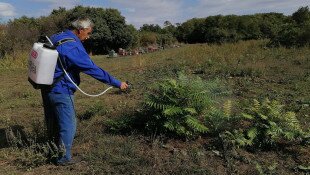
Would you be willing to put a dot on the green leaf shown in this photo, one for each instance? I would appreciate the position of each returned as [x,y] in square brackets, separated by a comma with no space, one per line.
[169,126]
[252,133]
[304,168]
[174,104]
[190,110]
[248,116]
[289,135]
[173,111]
[263,116]
[195,124]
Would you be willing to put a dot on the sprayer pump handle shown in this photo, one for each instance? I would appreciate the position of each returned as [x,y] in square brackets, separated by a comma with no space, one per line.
[129,84]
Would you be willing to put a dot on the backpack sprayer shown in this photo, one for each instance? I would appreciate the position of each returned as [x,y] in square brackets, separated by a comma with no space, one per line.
[41,67]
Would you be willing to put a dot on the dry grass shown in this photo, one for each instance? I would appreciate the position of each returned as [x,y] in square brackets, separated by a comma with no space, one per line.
[251,70]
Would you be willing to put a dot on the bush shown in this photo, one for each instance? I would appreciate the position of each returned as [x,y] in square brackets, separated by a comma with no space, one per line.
[31,149]
[147,38]
[221,120]
[177,106]
[292,36]
[296,33]
[93,110]
[268,124]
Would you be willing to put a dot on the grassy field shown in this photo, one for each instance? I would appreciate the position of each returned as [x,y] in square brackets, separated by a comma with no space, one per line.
[248,69]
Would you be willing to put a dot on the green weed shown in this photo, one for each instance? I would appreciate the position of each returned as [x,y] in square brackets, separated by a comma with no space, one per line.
[96,109]
[30,149]
[176,105]
[15,61]
[221,120]
[269,123]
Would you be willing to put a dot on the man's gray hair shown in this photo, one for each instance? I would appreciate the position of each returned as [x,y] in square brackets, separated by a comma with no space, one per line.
[82,23]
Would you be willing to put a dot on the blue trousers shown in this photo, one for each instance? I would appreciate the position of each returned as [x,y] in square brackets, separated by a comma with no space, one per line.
[60,120]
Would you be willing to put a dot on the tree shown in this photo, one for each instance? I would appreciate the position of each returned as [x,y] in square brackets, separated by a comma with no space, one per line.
[165,39]
[147,38]
[270,24]
[54,23]
[189,31]
[249,28]
[121,36]
[110,30]
[296,31]
[169,28]
[301,16]
[21,34]
[3,45]
[150,28]
[135,36]
[167,23]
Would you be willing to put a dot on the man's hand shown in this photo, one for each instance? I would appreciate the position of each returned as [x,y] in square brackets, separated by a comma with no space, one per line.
[123,86]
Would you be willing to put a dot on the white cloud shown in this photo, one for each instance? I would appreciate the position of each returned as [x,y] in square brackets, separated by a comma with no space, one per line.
[7,10]
[139,12]
[55,4]
[206,8]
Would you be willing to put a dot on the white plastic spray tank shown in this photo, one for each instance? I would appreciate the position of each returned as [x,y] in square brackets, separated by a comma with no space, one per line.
[41,67]
[41,64]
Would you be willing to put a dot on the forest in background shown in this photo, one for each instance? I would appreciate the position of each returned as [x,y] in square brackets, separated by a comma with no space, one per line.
[112,32]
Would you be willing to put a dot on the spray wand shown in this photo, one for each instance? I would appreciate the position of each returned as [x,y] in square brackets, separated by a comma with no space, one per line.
[90,95]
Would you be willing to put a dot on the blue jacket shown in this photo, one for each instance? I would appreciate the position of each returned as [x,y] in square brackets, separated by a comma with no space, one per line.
[75,60]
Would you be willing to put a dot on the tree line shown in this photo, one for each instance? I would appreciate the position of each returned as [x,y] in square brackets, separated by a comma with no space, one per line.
[288,31]
[112,32]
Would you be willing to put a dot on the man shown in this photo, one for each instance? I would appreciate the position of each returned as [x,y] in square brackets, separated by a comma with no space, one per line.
[58,101]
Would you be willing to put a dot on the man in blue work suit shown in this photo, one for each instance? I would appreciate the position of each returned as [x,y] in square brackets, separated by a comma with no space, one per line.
[58,101]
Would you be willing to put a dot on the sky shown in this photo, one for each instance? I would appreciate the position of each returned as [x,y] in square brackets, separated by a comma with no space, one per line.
[139,12]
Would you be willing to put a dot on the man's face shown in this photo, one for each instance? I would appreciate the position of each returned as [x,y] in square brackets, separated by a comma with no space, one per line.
[84,34]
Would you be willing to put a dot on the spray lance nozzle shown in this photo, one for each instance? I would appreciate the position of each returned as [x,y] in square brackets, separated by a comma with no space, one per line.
[128,89]
[129,85]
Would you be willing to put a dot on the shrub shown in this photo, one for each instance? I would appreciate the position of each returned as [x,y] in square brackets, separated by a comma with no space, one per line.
[291,36]
[177,106]
[296,33]
[126,124]
[93,110]
[31,149]
[147,38]
[268,124]
[221,120]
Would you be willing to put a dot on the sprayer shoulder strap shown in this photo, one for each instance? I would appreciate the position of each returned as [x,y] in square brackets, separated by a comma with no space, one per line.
[58,43]
[62,41]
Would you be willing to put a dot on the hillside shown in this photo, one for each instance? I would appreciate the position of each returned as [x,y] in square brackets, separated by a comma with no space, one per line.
[248,69]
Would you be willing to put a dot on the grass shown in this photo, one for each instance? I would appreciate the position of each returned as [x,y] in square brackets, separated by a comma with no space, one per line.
[249,68]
